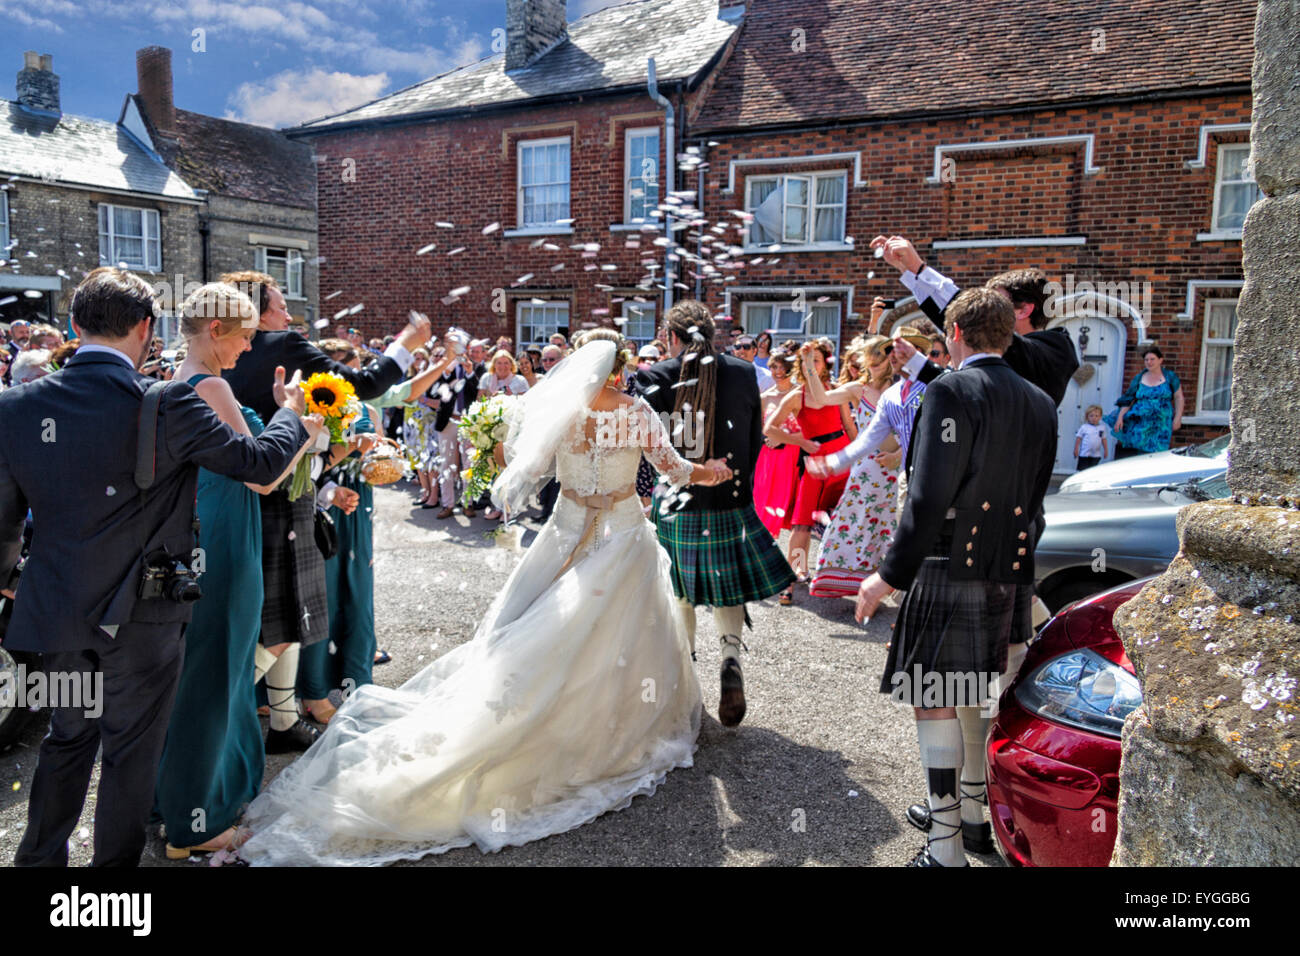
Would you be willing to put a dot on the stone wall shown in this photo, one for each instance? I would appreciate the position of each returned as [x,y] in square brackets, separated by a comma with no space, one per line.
[233,221]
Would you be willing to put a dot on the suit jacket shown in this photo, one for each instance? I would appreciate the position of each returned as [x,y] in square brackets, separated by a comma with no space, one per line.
[737,426]
[67,451]
[1045,357]
[469,390]
[984,447]
[253,377]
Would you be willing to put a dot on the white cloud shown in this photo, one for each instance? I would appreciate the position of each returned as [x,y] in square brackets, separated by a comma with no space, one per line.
[295,96]
[584,7]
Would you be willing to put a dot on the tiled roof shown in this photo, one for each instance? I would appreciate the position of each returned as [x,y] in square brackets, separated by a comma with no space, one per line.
[81,151]
[604,50]
[228,158]
[878,58]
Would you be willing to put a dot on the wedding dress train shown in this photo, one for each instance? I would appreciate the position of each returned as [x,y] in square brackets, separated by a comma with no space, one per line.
[576,694]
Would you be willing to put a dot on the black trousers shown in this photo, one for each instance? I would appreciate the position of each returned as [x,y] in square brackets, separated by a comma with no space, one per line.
[139,672]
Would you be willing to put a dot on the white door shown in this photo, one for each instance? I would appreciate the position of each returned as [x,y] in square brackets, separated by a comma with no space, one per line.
[1100,343]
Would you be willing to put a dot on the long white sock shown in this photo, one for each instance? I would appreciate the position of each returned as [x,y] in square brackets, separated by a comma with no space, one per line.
[974,731]
[280,681]
[730,622]
[941,757]
[688,616]
[263,661]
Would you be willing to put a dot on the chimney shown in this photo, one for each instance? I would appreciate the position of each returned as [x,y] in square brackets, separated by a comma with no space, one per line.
[153,72]
[532,26]
[38,86]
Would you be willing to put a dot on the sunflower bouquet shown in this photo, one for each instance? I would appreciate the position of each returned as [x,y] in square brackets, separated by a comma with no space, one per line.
[484,426]
[334,399]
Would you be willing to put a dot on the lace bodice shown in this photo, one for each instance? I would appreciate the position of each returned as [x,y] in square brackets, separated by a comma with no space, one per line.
[602,450]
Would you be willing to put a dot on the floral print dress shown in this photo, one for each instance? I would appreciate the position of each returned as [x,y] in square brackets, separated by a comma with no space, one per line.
[861,528]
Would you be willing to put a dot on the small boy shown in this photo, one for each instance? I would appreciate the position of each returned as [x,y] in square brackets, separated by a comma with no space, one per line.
[1090,439]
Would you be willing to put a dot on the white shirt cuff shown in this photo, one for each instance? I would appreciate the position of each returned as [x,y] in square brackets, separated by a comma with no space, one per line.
[913,366]
[401,355]
[837,461]
[325,497]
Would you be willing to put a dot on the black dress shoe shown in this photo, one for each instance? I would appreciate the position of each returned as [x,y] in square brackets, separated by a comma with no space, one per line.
[294,740]
[923,858]
[975,837]
[731,704]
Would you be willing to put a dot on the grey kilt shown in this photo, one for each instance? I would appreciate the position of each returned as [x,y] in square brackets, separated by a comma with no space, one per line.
[950,639]
[295,609]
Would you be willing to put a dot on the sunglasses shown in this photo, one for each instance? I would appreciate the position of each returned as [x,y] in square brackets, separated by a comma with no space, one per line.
[936,353]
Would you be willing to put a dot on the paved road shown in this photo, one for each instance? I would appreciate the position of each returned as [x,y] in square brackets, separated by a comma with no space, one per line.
[818,774]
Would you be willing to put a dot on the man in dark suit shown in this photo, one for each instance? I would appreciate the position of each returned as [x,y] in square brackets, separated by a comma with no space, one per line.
[979,465]
[722,556]
[68,451]
[456,389]
[295,610]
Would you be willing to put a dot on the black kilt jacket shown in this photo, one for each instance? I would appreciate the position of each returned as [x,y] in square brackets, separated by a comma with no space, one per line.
[983,445]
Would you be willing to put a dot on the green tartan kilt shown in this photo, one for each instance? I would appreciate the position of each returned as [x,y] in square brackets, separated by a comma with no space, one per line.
[721,558]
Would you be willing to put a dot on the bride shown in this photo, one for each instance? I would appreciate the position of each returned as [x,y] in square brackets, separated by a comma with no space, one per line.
[577,691]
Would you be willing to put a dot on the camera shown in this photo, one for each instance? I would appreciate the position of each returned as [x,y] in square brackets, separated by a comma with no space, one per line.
[170,579]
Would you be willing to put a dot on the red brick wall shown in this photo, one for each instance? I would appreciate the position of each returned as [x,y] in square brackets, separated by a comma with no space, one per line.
[1140,214]
[408,179]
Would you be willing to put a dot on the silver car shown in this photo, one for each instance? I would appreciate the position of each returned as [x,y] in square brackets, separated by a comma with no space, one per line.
[1095,540]
[1158,469]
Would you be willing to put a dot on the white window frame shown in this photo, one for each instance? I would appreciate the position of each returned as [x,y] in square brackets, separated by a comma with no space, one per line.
[1213,415]
[523,305]
[4,224]
[632,178]
[151,238]
[1219,182]
[810,219]
[292,268]
[753,325]
[643,308]
[520,148]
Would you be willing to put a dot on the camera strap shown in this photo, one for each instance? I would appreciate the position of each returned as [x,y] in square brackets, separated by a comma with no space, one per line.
[146,449]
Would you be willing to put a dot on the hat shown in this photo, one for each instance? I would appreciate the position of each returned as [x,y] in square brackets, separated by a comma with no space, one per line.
[479,342]
[648,351]
[914,337]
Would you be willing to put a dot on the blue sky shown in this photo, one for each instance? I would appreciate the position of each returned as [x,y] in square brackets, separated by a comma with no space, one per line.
[272,63]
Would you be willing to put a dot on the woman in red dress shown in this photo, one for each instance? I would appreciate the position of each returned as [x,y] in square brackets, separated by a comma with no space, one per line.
[821,431]
[776,474]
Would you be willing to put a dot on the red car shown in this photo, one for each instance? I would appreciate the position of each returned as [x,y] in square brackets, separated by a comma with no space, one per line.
[1053,750]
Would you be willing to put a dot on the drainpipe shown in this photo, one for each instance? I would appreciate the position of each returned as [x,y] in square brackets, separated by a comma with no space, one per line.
[666,176]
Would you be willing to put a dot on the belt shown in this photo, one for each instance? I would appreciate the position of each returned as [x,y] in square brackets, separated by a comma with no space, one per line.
[594,504]
[829,436]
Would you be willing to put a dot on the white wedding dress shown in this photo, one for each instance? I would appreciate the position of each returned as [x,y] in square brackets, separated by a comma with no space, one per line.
[576,694]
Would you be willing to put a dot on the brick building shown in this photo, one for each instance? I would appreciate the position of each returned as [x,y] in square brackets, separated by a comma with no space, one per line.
[518,195]
[1104,142]
[258,187]
[76,193]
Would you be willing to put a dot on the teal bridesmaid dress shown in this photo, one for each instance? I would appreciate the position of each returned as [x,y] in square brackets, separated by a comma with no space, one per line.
[347,659]
[213,761]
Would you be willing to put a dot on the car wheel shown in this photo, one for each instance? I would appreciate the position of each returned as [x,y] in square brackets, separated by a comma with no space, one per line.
[12,717]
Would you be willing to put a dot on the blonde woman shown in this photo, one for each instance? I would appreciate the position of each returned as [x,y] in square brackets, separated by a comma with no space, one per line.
[503,376]
[861,527]
[214,757]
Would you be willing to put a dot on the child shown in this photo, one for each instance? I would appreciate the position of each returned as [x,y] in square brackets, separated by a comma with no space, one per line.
[1090,439]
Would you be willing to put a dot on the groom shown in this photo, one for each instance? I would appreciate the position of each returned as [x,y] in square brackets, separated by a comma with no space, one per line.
[722,556]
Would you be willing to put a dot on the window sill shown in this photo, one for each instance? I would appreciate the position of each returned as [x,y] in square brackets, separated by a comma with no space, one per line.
[1219,236]
[786,249]
[532,231]
[1207,418]
[635,227]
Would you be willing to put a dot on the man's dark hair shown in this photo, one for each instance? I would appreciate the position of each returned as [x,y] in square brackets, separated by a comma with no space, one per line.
[111,302]
[940,341]
[986,318]
[256,285]
[1026,287]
